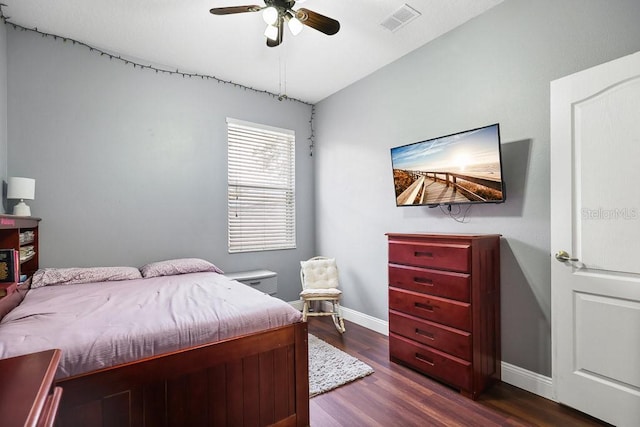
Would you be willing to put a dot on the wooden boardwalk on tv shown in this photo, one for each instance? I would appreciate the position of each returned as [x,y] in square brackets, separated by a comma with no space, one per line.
[432,188]
[433,192]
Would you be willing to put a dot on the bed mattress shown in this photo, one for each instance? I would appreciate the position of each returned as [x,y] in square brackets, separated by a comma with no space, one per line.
[97,325]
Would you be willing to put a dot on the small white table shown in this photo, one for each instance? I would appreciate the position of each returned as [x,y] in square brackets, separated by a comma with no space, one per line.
[263,280]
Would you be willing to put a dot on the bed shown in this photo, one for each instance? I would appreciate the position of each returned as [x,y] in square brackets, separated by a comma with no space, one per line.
[182,349]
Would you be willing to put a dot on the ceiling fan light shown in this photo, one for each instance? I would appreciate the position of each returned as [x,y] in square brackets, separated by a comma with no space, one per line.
[271,32]
[270,15]
[295,26]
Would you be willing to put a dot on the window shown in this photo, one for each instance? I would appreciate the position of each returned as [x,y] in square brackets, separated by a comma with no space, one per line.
[261,187]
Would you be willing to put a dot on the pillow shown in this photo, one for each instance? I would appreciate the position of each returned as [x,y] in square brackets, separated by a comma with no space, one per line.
[172,267]
[74,276]
[320,273]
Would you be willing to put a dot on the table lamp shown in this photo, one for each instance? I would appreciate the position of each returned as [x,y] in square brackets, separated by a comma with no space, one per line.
[21,188]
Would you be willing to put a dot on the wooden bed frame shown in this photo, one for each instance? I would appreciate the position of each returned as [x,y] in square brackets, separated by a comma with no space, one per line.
[254,380]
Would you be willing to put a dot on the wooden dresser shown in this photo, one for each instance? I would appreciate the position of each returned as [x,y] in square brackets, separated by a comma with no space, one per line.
[444,307]
[27,397]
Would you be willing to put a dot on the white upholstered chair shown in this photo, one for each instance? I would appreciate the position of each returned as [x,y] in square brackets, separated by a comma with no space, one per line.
[319,277]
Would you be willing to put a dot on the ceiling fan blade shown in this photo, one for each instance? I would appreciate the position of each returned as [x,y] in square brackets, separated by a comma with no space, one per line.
[276,42]
[234,9]
[319,22]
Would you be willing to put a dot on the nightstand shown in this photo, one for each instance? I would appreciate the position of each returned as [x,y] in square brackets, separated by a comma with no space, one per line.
[263,280]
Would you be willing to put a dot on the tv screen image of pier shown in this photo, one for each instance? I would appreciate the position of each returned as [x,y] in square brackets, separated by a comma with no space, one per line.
[459,168]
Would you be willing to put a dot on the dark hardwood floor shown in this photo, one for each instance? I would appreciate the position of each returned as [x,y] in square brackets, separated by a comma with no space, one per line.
[397,396]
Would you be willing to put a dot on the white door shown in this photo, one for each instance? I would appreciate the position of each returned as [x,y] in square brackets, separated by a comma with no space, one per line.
[595,219]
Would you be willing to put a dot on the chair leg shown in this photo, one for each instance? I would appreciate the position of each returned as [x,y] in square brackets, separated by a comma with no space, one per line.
[305,310]
[337,317]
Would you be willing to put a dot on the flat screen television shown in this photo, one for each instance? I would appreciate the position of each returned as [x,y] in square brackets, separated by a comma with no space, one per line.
[460,168]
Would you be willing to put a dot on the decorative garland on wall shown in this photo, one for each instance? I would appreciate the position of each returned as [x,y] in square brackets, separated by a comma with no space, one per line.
[312,135]
[136,65]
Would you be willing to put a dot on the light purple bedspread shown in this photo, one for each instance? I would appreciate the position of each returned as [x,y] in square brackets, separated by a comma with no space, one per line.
[97,325]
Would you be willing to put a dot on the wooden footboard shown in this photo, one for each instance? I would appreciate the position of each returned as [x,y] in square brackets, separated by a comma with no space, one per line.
[254,380]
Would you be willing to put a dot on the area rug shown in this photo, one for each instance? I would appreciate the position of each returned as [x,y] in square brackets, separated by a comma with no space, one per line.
[330,367]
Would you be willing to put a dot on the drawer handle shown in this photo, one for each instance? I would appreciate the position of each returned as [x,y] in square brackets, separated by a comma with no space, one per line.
[424,254]
[254,283]
[424,306]
[425,334]
[425,359]
[423,281]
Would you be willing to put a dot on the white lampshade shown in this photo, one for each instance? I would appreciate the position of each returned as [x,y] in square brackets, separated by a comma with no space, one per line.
[21,188]
[270,15]
[271,32]
[295,26]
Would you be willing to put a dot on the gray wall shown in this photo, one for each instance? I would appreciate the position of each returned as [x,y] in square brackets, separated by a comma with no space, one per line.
[3,109]
[130,165]
[495,68]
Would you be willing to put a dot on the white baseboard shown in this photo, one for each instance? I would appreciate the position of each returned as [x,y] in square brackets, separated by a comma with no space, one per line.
[369,322]
[296,304]
[527,380]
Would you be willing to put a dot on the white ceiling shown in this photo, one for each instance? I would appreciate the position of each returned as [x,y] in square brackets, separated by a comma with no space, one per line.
[179,34]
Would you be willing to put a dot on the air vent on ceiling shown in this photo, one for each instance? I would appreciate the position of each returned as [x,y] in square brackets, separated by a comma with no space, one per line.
[400,18]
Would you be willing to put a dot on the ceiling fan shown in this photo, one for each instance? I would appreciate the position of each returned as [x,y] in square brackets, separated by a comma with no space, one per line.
[276,12]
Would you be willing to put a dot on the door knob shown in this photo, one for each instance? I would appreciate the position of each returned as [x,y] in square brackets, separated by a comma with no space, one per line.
[563,256]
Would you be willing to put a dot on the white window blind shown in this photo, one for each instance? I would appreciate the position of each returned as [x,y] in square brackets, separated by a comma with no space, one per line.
[261,193]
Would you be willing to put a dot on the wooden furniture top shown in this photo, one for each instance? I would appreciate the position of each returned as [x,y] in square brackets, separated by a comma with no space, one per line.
[465,236]
[13,221]
[26,383]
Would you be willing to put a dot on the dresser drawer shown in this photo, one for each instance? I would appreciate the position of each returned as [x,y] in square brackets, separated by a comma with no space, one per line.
[449,340]
[449,312]
[434,282]
[437,364]
[446,256]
